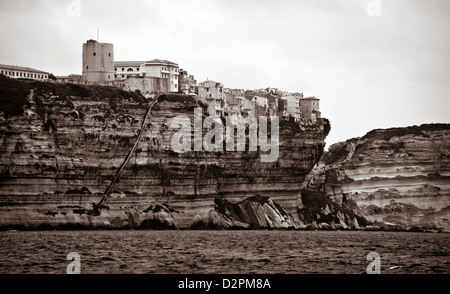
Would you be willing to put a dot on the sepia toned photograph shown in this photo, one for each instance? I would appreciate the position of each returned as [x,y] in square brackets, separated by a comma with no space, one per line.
[224,137]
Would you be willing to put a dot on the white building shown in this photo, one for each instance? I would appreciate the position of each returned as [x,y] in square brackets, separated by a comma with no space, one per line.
[261,101]
[124,69]
[293,104]
[20,72]
[211,93]
[154,68]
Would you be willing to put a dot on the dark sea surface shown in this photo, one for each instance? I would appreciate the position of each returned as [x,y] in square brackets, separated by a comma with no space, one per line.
[233,252]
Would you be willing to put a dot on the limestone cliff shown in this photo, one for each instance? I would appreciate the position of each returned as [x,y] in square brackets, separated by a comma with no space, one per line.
[61,146]
[397,178]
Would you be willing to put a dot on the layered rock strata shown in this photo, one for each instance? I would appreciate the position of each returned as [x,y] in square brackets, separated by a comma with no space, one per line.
[397,178]
[61,150]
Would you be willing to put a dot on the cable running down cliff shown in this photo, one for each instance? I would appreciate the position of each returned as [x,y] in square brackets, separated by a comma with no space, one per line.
[141,132]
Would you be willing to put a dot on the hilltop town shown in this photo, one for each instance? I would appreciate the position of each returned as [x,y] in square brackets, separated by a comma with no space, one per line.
[158,76]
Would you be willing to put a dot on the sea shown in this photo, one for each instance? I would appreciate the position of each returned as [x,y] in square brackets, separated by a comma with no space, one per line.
[223,252]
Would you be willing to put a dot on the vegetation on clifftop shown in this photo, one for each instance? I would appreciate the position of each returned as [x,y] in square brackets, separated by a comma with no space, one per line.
[13,95]
[14,92]
[387,134]
[180,98]
[339,151]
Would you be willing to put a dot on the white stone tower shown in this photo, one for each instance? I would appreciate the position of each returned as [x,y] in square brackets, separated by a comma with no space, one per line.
[98,62]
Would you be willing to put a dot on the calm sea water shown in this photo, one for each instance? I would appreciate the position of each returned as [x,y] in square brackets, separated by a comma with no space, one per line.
[239,252]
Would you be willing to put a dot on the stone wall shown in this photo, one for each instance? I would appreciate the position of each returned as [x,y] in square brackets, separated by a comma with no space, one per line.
[147,85]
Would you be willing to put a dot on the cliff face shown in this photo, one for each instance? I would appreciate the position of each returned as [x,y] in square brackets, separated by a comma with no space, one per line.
[397,178]
[61,146]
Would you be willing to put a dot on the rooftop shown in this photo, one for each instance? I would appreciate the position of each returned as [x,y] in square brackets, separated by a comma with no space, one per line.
[161,61]
[128,63]
[139,63]
[22,68]
[217,84]
[91,40]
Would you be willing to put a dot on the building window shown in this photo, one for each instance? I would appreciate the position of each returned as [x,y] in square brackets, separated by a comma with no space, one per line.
[87,66]
[130,69]
[137,68]
[123,69]
[115,69]
[94,54]
[109,54]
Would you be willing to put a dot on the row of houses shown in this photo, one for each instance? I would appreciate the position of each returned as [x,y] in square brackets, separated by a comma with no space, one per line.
[162,76]
[158,75]
[222,101]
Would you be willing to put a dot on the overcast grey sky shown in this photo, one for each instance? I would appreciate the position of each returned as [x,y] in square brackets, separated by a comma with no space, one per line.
[370,71]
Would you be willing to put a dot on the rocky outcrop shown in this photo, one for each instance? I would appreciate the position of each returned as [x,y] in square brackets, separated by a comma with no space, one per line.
[251,213]
[318,211]
[61,146]
[396,178]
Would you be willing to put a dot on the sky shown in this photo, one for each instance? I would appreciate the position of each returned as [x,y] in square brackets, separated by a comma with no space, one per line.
[373,63]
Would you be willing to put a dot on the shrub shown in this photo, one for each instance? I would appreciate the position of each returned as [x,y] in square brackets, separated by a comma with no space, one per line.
[13,96]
